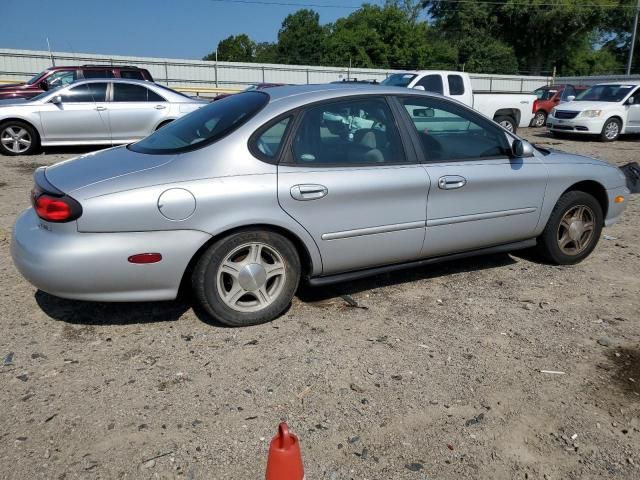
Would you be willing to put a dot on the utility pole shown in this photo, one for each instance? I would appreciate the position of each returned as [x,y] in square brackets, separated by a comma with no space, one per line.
[53,62]
[216,68]
[633,38]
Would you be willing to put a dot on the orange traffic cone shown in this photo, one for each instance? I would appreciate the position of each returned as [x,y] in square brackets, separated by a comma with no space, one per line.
[285,460]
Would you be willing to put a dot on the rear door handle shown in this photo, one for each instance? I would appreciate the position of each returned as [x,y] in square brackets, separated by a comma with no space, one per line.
[449,182]
[100,108]
[308,192]
[160,107]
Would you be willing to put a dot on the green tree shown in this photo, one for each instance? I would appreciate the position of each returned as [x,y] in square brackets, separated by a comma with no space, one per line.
[236,48]
[266,52]
[301,39]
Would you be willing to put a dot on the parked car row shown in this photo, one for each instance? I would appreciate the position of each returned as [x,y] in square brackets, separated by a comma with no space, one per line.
[550,96]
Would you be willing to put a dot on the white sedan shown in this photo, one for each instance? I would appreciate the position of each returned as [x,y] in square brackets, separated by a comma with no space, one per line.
[90,112]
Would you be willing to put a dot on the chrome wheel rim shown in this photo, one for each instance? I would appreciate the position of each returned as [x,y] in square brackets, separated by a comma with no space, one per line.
[611,130]
[251,277]
[576,230]
[539,120]
[508,125]
[15,139]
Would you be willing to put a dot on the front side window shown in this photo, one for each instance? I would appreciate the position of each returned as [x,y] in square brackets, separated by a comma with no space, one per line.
[204,126]
[450,132]
[350,132]
[456,85]
[98,73]
[86,93]
[133,74]
[567,92]
[268,142]
[61,78]
[432,83]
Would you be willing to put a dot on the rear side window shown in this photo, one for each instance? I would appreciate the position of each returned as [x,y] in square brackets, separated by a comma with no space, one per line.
[133,74]
[456,85]
[129,92]
[432,83]
[204,126]
[97,73]
[86,93]
[269,141]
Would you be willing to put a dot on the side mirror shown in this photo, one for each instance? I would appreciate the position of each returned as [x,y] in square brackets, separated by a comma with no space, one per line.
[419,87]
[571,98]
[631,100]
[521,149]
[56,100]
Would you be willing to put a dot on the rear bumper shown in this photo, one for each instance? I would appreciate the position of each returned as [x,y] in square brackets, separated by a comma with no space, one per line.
[59,260]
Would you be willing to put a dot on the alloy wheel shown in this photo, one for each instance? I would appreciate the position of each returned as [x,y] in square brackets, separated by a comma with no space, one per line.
[251,277]
[612,130]
[507,124]
[576,229]
[16,139]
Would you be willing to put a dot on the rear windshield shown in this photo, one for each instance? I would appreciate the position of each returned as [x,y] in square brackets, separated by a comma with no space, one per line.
[398,80]
[204,126]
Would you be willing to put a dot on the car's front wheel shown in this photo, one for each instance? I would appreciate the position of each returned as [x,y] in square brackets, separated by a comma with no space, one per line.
[18,138]
[573,229]
[611,130]
[247,278]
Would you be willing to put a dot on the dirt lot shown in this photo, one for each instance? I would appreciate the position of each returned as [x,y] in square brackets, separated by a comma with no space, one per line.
[437,377]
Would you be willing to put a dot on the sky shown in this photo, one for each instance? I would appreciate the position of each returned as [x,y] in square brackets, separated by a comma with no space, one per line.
[153,28]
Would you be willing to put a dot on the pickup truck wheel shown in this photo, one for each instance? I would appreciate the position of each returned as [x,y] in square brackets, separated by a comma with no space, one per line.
[573,229]
[18,138]
[507,122]
[611,130]
[540,119]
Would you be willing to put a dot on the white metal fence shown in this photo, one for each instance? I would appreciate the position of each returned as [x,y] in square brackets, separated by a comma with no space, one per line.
[20,65]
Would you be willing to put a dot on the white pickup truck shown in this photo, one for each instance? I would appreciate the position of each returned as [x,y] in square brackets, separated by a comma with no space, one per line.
[511,110]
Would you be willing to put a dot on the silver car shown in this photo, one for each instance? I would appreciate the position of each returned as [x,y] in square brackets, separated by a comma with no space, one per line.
[246,197]
[90,112]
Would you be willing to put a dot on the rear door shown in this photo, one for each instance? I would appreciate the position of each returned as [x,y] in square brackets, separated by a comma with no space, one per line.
[135,111]
[351,183]
[81,117]
[479,196]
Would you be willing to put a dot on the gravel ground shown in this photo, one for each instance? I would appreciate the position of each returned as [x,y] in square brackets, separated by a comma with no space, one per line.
[437,375]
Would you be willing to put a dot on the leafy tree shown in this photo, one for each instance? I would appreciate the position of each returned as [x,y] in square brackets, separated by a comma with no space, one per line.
[266,52]
[236,48]
[301,38]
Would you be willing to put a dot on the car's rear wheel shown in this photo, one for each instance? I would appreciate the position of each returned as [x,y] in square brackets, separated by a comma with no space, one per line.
[18,138]
[247,278]
[507,122]
[540,119]
[573,229]
[611,130]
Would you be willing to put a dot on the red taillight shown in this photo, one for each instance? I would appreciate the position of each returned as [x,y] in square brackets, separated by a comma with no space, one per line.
[145,258]
[52,209]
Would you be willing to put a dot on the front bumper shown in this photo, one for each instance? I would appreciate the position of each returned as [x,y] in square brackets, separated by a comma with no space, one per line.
[59,260]
[586,125]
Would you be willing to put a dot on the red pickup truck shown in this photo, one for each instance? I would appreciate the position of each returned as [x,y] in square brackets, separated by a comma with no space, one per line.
[56,76]
[550,96]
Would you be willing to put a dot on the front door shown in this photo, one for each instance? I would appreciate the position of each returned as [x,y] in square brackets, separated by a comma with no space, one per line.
[81,117]
[348,182]
[633,115]
[479,195]
[134,112]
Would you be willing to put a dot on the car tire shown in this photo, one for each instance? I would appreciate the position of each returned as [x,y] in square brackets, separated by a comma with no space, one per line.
[507,122]
[611,130]
[567,239]
[13,137]
[247,278]
[540,119]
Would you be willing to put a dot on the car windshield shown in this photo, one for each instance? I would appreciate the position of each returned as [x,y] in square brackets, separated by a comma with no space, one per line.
[35,78]
[204,126]
[605,93]
[398,80]
[544,93]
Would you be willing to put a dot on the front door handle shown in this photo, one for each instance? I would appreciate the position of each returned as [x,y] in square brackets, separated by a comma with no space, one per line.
[101,108]
[449,182]
[308,192]
[160,107]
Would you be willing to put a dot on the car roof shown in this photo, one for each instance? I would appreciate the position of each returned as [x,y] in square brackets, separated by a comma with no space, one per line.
[92,66]
[176,96]
[621,82]
[304,93]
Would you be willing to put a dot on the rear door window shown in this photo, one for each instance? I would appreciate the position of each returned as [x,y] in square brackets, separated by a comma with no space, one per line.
[456,85]
[98,73]
[133,74]
[129,92]
[432,83]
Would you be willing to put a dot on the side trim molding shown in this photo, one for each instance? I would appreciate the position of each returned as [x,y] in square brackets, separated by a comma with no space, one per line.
[372,230]
[479,216]
[350,276]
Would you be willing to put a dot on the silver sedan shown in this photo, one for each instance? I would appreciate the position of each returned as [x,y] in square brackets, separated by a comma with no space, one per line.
[246,197]
[90,112]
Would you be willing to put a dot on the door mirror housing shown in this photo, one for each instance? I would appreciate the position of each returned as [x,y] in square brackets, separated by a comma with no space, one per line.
[521,149]
[631,101]
[56,100]
[571,98]
[419,87]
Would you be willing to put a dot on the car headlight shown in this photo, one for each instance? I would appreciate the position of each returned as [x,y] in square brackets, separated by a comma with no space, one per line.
[553,112]
[591,113]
